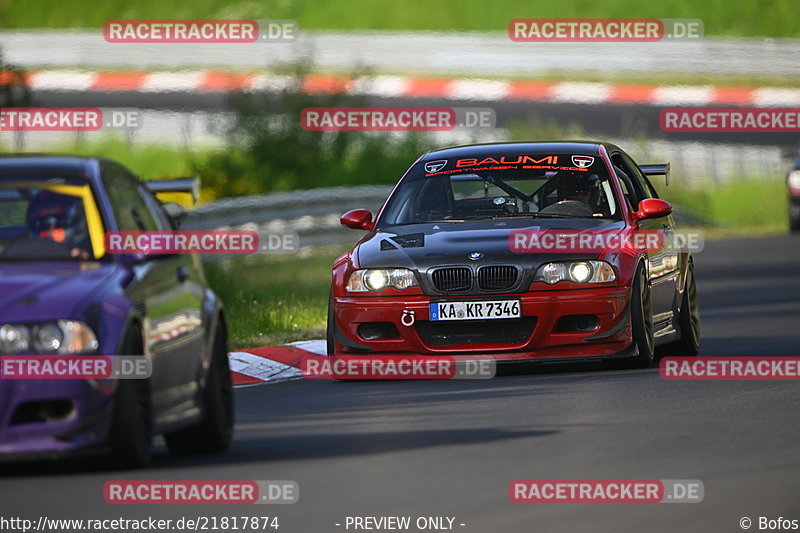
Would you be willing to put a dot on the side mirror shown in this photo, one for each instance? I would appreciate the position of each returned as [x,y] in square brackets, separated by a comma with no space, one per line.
[358,219]
[652,208]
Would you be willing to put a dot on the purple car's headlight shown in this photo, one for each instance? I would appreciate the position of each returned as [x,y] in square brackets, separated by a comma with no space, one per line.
[61,337]
[14,339]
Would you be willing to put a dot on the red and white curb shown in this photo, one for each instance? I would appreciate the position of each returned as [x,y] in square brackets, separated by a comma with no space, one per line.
[414,87]
[272,364]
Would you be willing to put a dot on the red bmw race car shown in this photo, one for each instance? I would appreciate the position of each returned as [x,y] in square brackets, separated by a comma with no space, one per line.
[557,251]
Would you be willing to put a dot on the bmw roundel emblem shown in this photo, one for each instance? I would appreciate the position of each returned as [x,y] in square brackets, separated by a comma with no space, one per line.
[475,256]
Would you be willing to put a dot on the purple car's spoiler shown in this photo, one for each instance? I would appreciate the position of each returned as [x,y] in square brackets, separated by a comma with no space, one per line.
[187,185]
[656,170]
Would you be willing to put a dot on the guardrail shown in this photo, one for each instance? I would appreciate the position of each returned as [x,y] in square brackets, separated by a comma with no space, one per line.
[313,214]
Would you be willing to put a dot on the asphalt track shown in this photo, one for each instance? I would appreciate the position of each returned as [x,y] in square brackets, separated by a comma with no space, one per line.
[451,448]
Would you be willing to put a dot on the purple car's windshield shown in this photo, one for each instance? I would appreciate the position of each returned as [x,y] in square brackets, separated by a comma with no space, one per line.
[556,186]
[43,219]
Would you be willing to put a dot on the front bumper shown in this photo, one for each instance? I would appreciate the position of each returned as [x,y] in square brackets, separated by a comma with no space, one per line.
[543,309]
[42,418]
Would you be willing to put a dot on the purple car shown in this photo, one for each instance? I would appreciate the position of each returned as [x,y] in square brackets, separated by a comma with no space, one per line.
[62,293]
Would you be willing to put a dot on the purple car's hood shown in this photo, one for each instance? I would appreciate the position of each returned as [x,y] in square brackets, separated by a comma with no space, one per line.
[33,291]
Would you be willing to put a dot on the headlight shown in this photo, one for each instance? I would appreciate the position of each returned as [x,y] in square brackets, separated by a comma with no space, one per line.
[62,337]
[581,272]
[794,179]
[47,338]
[14,339]
[576,271]
[375,279]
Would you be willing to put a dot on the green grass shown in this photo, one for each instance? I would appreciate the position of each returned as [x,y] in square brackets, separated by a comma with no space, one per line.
[147,160]
[744,206]
[275,299]
[747,18]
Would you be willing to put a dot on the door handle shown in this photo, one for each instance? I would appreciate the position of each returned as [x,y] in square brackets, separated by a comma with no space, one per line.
[182,273]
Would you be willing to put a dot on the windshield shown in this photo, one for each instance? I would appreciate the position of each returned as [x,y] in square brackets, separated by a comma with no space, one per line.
[524,185]
[47,218]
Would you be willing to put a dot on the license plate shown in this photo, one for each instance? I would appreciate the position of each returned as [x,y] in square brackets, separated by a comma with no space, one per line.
[483,310]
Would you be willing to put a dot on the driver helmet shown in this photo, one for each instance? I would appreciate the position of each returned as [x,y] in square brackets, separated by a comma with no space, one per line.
[578,186]
[57,217]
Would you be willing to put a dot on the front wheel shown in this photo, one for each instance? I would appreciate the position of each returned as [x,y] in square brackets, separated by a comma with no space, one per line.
[131,438]
[642,321]
[688,322]
[214,432]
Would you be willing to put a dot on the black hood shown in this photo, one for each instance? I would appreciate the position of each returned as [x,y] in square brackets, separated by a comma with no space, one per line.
[422,247]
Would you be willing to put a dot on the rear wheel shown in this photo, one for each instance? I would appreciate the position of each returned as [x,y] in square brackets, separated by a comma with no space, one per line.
[641,322]
[214,432]
[688,321]
[131,438]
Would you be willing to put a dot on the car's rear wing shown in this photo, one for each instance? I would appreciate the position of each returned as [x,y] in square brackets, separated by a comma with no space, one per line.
[188,185]
[656,170]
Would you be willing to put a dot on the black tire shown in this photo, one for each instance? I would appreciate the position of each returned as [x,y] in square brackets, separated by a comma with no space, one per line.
[329,328]
[131,436]
[794,219]
[329,334]
[641,322]
[213,434]
[688,322]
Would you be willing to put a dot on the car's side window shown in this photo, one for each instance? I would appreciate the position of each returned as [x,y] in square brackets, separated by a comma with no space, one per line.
[640,179]
[653,192]
[127,203]
[632,194]
[155,209]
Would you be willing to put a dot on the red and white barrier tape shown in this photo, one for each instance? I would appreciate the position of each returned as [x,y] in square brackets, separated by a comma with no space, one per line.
[415,87]
[272,363]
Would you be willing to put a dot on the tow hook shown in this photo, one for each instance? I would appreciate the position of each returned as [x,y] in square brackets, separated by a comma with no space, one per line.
[408,318]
